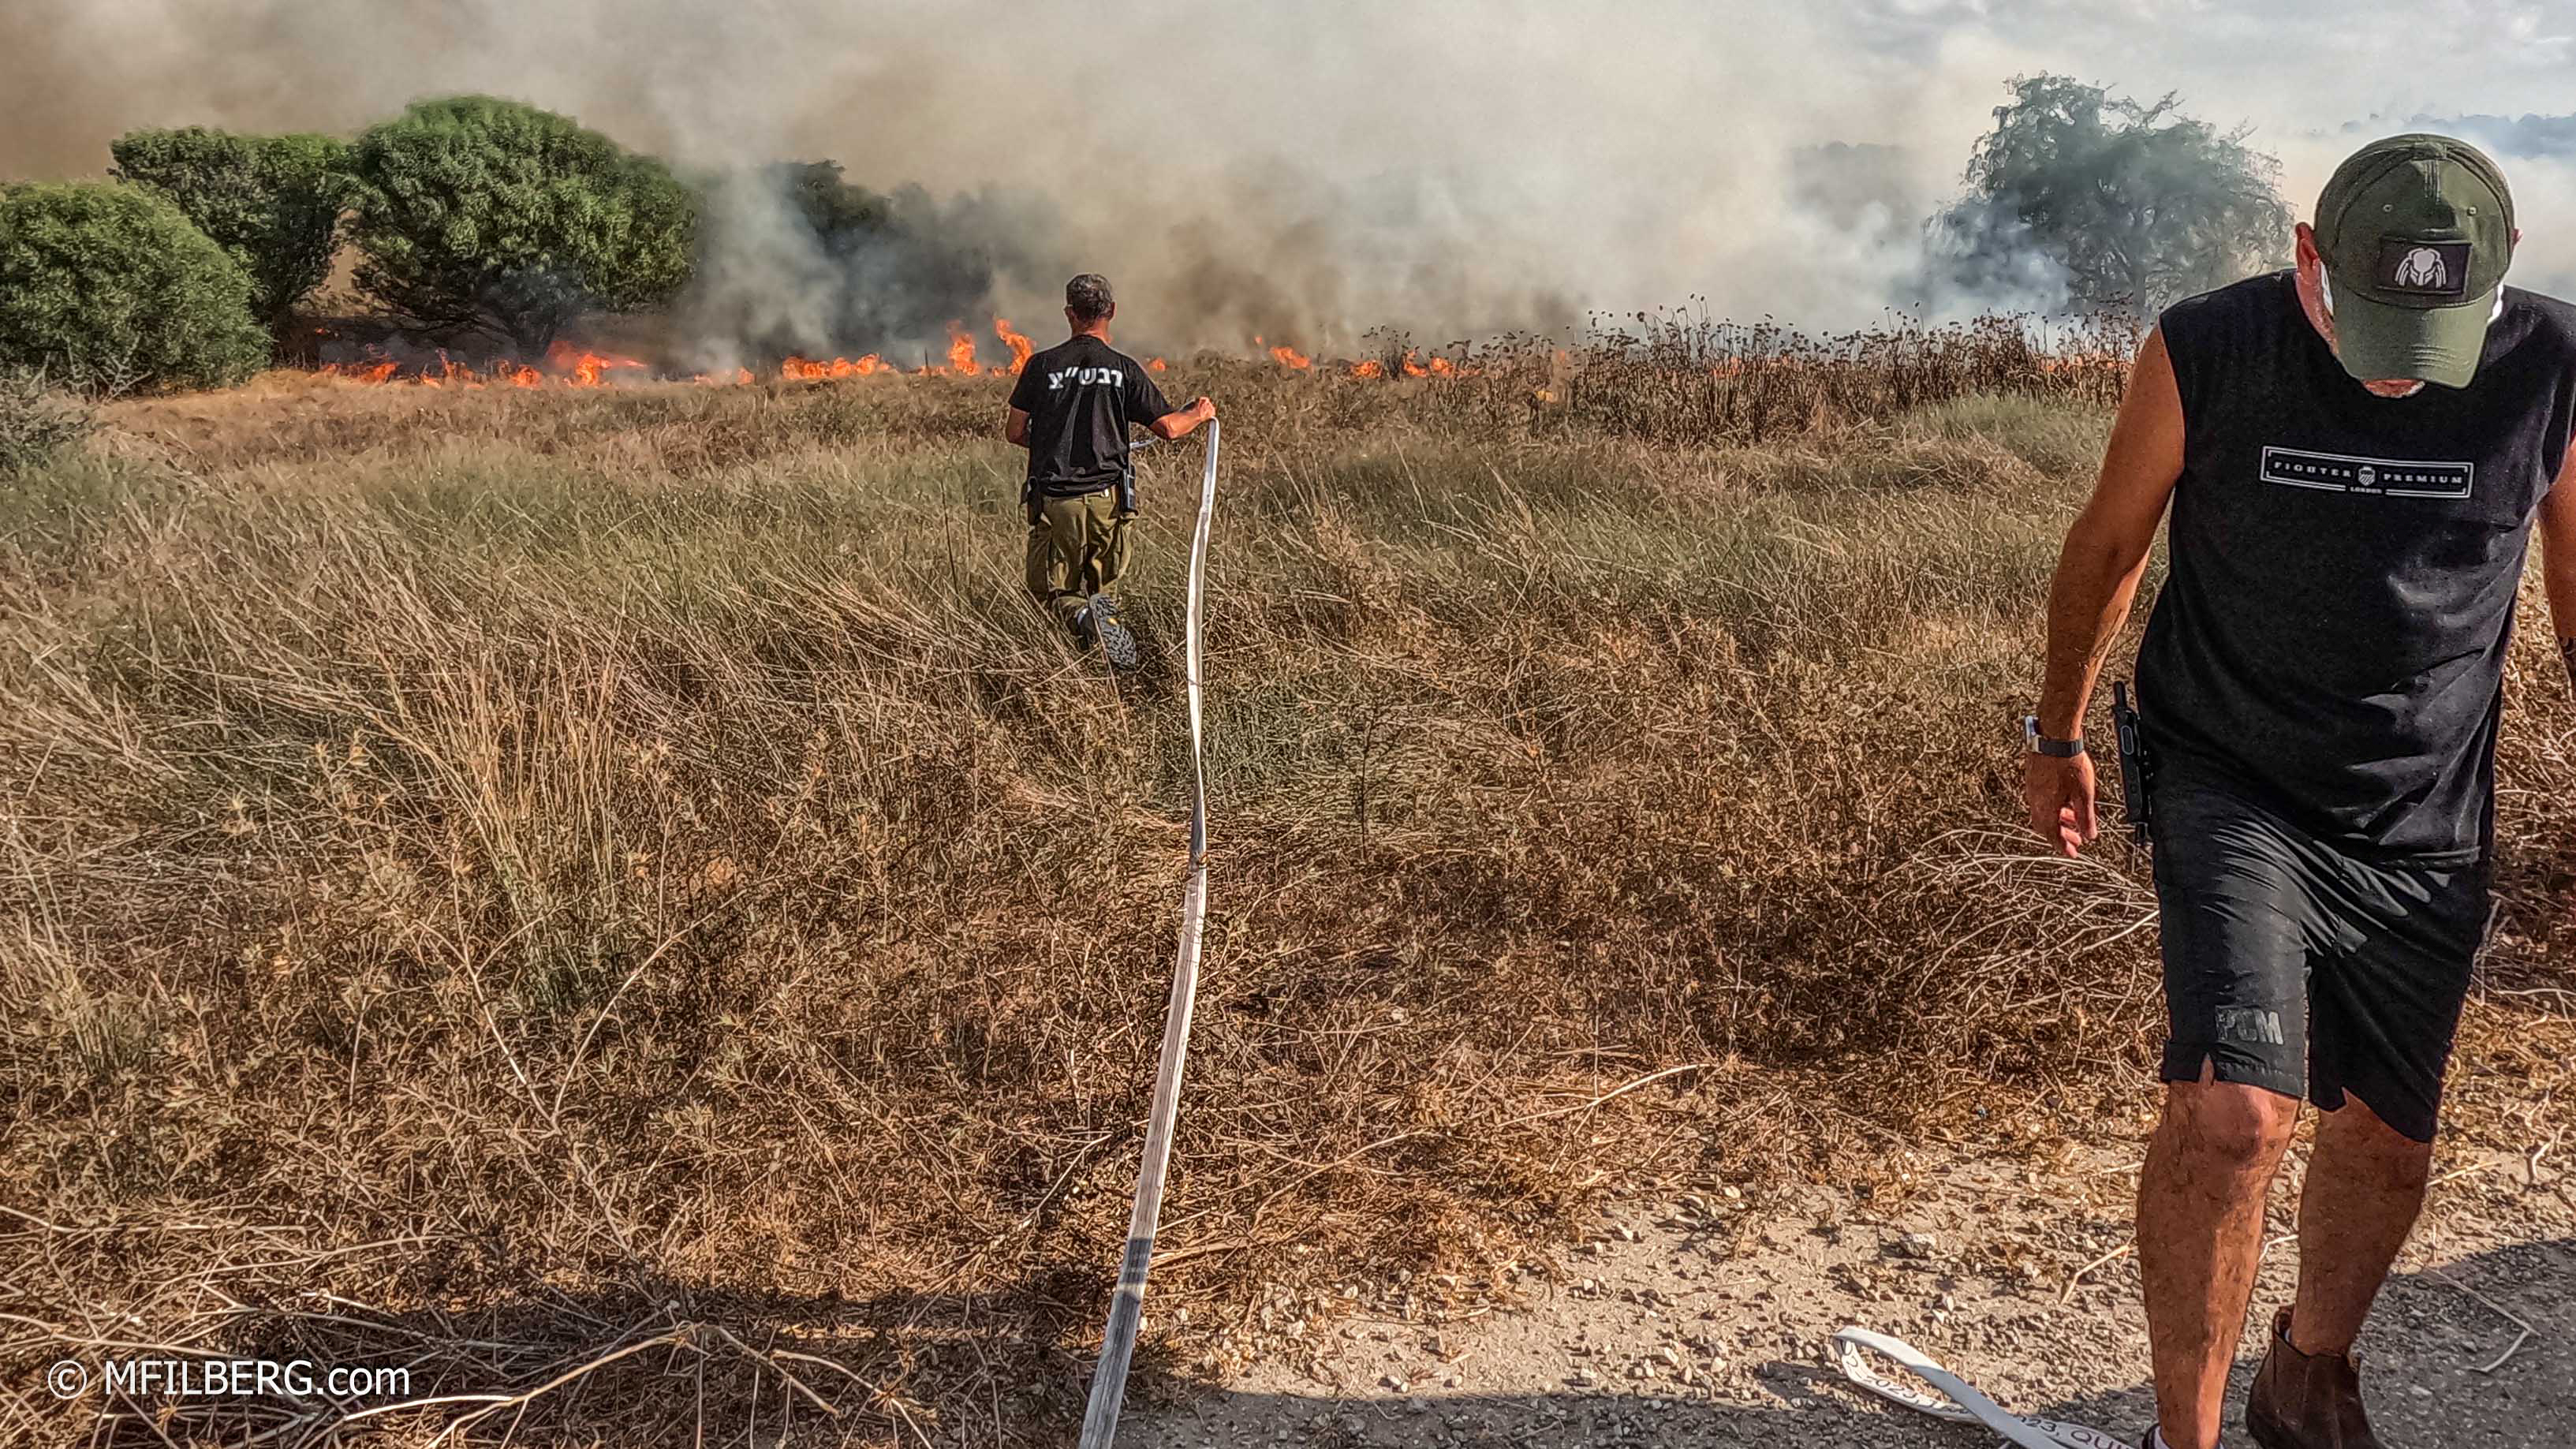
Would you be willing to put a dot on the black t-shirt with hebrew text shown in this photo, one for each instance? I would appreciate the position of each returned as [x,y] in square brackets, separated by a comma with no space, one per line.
[2331,633]
[1082,396]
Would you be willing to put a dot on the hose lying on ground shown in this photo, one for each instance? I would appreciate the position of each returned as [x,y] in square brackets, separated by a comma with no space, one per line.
[1960,1403]
[1126,1311]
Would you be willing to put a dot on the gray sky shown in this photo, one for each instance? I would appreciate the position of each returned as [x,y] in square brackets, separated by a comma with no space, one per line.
[1436,162]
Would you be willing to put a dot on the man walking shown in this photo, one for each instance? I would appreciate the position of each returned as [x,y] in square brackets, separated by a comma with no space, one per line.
[1071,410]
[2355,453]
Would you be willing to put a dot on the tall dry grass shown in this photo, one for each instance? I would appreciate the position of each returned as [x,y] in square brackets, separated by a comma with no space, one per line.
[617,903]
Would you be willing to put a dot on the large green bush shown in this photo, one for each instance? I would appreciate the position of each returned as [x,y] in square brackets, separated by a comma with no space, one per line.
[106,288]
[483,215]
[271,202]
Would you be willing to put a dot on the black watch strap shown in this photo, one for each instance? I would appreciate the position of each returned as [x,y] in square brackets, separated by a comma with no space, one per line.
[2042,744]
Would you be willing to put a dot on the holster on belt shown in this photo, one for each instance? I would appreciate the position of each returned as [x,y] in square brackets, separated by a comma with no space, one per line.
[2137,801]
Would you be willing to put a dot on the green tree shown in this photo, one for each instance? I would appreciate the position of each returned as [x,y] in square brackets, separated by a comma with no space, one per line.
[2139,204]
[106,288]
[271,202]
[483,215]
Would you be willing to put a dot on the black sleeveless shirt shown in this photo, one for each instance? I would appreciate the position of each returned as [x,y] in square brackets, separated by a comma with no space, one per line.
[2331,633]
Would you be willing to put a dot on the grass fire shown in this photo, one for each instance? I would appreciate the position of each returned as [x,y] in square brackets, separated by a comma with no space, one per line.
[559,837]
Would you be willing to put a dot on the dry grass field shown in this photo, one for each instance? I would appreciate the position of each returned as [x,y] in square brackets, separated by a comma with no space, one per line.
[614,901]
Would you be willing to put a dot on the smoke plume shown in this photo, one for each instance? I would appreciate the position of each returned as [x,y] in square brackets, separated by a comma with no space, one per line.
[1305,172]
[794,259]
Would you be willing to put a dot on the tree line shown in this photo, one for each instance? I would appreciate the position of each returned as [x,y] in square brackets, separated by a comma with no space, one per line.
[473,216]
[469,216]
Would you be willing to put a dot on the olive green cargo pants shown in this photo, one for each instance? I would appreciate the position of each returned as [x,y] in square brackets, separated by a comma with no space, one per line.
[1077,548]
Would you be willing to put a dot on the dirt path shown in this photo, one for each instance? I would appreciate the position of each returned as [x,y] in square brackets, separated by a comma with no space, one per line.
[1703,1320]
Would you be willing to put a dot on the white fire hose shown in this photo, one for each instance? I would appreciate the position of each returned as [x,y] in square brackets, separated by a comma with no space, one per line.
[1958,1402]
[1127,1309]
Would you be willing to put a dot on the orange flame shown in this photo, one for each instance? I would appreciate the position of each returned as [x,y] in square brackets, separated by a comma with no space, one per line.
[1020,346]
[1411,367]
[585,369]
[1370,367]
[1443,367]
[1291,357]
[1155,364]
[800,368]
[571,366]
[567,365]
[370,372]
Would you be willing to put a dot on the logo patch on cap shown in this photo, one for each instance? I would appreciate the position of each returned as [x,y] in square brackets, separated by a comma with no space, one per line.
[2426,269]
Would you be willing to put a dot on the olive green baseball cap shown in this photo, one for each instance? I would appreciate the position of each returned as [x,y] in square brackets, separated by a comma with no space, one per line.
[2416,232]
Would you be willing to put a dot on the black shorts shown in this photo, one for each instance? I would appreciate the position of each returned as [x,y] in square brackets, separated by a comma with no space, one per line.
[2296,967]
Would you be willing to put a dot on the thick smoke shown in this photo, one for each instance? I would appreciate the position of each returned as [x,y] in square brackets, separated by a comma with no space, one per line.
[1943,260]
[1306,172]
[796,260]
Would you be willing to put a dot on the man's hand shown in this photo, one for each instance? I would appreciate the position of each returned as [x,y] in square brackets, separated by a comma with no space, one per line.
[1179,423]
[2063,809]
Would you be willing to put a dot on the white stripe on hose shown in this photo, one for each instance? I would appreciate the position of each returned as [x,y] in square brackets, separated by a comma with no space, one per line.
[1127,1309]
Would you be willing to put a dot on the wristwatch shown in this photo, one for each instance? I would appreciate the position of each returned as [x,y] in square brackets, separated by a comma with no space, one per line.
[2040,744]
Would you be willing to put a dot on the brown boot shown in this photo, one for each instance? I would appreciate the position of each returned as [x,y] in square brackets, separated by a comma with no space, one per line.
[2300,1402]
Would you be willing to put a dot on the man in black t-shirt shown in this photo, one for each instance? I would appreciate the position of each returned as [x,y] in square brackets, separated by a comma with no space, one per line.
[1071,410]
[2356,454]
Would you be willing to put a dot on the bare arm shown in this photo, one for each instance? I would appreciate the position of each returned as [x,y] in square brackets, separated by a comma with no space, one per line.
[1015,428]
[2558,558]
[2106,550]
[1183,422]
[2097,580]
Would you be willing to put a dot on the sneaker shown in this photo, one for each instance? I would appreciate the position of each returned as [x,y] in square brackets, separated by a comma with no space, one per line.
[2300,1402]
[1116,641]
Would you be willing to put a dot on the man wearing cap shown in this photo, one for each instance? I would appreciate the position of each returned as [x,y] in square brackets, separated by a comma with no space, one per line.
[1071,409]
[2355,453]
